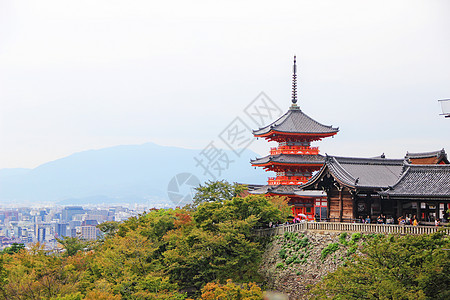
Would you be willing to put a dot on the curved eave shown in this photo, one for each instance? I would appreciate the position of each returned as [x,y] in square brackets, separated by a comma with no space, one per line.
[339,178]
[299,134]
[280,194]
[314,178]
[274,163]
[414,196]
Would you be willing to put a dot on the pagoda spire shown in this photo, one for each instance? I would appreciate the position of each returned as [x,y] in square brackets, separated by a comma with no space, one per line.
[294,82]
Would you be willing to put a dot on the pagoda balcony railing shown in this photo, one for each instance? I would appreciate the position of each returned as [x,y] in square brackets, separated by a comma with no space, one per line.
[294,150]
[287,180]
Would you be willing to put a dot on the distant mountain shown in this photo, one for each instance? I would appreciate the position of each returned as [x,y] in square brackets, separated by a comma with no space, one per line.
[121,174]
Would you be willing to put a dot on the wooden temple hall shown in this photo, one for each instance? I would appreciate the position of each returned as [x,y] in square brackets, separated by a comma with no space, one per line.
[349,189]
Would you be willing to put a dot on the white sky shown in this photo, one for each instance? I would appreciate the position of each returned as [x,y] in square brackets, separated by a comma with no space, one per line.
[78,75]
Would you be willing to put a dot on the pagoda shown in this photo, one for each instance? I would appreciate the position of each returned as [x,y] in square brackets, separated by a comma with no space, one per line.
[294,160]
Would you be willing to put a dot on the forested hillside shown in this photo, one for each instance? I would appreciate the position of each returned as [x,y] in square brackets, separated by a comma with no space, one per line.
[207,250]
[162,254]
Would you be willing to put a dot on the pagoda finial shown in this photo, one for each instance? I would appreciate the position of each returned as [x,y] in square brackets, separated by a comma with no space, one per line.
[294,82]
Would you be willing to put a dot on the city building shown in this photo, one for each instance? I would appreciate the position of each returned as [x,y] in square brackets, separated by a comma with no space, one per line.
[89,232]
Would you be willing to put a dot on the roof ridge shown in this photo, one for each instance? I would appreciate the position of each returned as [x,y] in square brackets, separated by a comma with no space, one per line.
[342,169]
[426,154]
[360,160]
[328,126]
[430,166]
[408,166]
[274,122]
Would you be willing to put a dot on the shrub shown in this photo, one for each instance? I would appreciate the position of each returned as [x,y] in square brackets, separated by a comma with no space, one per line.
[303,242]
[352,249]
[331,248]
[282,253]
[290,260]
[343,238]
[356,237]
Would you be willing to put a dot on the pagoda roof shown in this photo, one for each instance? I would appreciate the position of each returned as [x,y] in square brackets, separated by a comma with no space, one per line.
[296,122]
[275,189]
[360,173]
[291,159]
[428,158]
[422,181]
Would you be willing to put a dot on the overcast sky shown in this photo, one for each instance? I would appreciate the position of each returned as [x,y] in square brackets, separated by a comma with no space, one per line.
[78,75]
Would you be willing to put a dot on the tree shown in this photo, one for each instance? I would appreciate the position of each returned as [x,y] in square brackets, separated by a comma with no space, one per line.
[393,267]
[36,274]
[108,228]
[218,243]
[216,191]
[15,247]
[231,290]
[72,245]
[260,207]
[129,263]
[3,277]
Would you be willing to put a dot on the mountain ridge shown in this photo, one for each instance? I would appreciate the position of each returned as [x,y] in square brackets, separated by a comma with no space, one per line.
[120,174]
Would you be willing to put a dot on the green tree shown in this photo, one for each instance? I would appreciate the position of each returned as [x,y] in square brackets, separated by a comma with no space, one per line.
[218,243]
[15,247]
[108,228]
[261,208]
[129,263]
[3,277]
[216,191]
[72,245]
[393,267]
[36,274]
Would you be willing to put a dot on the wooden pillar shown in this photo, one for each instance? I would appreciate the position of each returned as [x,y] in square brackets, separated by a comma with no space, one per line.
[418,213]
[437,211]
[354,208]
[341,204]
[381,206]
[399,209]
[328,204]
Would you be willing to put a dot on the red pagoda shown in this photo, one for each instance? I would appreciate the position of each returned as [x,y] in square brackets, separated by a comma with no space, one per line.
[294,160]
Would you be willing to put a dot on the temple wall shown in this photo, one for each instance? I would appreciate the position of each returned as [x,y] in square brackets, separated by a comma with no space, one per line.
[335,205]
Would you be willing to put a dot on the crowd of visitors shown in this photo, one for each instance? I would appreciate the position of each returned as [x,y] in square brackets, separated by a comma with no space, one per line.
[381,219]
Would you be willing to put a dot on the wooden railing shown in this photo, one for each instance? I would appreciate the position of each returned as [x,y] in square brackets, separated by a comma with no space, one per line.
[294,150]
[287,180]
[351,227]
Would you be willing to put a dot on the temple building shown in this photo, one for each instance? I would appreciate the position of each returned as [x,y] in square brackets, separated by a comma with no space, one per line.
[358,188]
[348,189]
[428,158]
[352,186]
[294,160]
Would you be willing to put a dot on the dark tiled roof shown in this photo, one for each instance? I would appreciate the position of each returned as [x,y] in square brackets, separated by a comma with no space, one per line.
[276,189]
[430,181]
[361,173]
[425,154]
[295,121]
[433,157]
[252,187]
[290,159]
